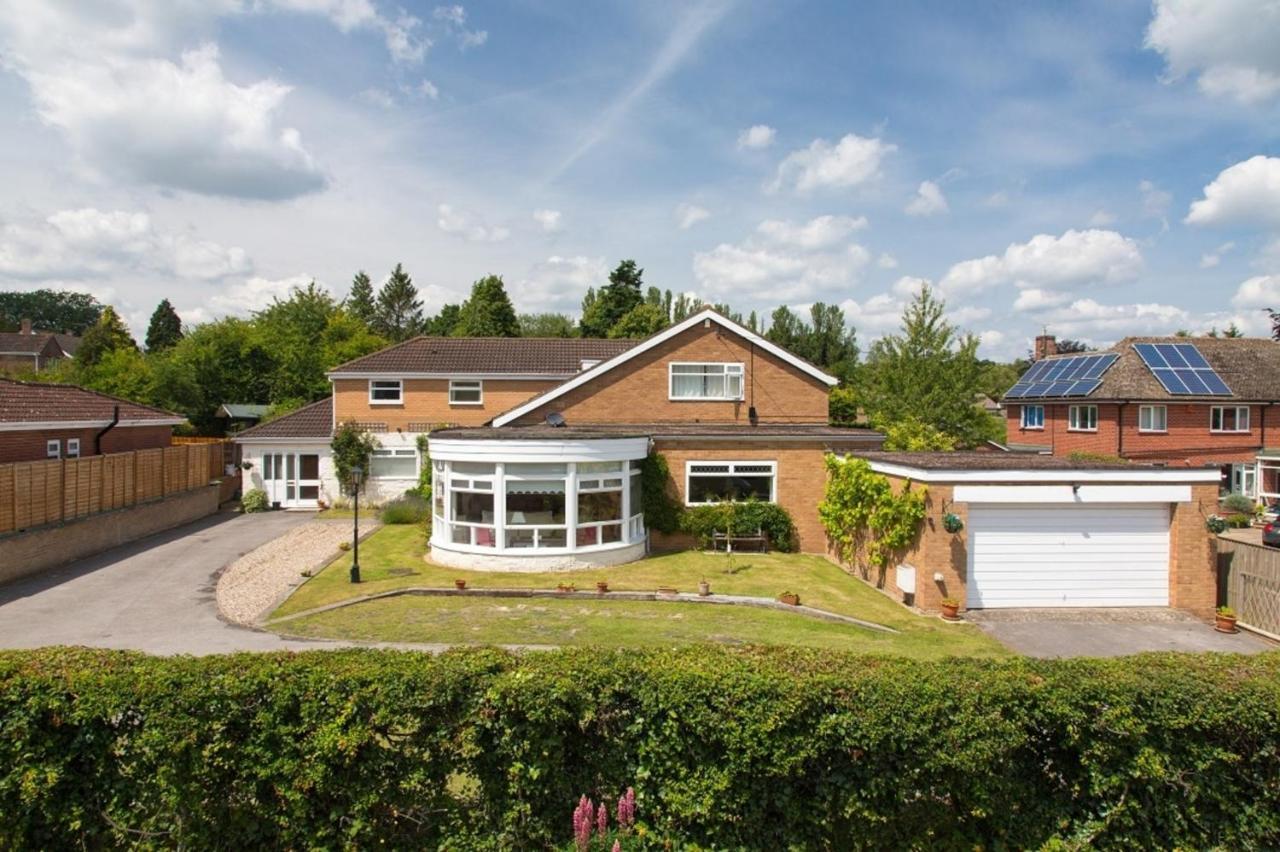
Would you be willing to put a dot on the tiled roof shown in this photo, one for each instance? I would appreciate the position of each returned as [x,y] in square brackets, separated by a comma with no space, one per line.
[35,402]
[513,355]
[13,341]
[729,431]
[69,342]
[1249,365]
[310,421]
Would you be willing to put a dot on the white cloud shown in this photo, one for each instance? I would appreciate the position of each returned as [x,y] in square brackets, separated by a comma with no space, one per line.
[997,199]
[1246,193]
[1261,291]
[852,161]
[688,215]
[378,97]
[909,285]
[887,261]
[455,19]
[1211,259]
[254,294]
[1090,319]
[822,232]
[784,261]
[1155,201]
[558,283]
[927,201]
[1102,219]
[427,89]
[89,243]
[1036,299]
[1229,45]
[991,338]
[468,225]
[757,136]
[548,220]
[1074,259]
[874,317]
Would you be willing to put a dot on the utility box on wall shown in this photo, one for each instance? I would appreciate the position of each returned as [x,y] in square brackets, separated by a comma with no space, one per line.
[906,579]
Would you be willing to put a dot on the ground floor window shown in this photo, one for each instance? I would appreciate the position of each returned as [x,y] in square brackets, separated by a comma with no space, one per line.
[718,481]
[394,464]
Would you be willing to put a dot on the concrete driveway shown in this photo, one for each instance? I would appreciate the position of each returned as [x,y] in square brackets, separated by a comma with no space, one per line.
[1109,632]
[154,595]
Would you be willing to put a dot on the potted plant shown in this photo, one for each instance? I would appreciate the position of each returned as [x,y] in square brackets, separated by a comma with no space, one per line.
[1224,620]
[950,609]
[789,598]
[1216,524]
[952,523]
[704,588]
[460,584]
[602,586]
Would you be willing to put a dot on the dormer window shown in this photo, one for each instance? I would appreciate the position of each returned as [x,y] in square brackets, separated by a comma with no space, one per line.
[386,392]
[705,381]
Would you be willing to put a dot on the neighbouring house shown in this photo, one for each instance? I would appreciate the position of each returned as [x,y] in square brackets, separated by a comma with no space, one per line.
[27,350]
[1169,400]
[1050,531]
[45,421]
[236,416]
[536,444]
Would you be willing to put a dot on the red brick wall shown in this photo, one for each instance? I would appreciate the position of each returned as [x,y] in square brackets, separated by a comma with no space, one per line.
[427,401]
[1187,441]
[30,446]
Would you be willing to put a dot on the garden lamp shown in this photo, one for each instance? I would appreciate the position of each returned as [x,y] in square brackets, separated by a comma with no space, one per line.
[357,473]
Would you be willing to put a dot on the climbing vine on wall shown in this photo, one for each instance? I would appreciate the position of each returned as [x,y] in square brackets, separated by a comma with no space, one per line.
[865,520]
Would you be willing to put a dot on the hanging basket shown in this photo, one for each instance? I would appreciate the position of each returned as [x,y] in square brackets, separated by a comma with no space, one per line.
[1216,524]
[952,523]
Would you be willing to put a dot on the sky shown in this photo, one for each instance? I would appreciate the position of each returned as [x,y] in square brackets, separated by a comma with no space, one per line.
[1093,169]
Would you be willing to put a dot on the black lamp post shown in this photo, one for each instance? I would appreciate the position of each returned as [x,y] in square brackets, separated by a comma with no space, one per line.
[357,473]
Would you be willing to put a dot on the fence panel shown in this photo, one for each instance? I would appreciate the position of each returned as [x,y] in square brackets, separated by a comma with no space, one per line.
[46,492]
[1252,583]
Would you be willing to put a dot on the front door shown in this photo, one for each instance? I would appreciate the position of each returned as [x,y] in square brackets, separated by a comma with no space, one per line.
[1244,480]
[292,480]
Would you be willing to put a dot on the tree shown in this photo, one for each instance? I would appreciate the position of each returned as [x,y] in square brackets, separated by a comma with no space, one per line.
[910,435]
[488,313]
[842,406]
[398,315]
[1067,346]
[1233,330]
[547,325]
[228,360]
[829,342]
[165,328]
[360,301]
[49,310]
[685,306]
[613,301]
[785,328]
[443,323]
[928,372]
[106,335]
[641,321]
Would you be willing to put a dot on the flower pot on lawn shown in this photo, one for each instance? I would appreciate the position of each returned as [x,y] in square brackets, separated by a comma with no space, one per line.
[1224,620]
[460,585]
[950,609]
[602,586]
[789,598]
[704,588]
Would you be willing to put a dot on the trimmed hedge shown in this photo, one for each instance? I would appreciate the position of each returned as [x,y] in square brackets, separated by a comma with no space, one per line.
[745,518]
[725,748]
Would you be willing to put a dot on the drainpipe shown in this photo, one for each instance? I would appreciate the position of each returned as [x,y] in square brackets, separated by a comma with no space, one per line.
[1120,429]
[97,439]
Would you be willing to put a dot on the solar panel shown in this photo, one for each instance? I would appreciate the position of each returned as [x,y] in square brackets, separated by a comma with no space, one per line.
[1079,375]
[1181,369]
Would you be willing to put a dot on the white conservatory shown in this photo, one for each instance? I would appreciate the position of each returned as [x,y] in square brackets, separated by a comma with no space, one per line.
[526,503]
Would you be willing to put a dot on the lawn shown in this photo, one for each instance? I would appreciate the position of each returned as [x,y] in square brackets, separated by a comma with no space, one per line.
[392,558]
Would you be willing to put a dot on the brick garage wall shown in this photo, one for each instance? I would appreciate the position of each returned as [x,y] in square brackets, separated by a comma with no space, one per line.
[1193,555]
[30,446]
[427,401]
[637,391]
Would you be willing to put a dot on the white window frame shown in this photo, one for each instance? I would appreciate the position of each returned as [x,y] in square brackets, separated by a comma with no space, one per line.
[1217,414]
[1150,412]
[73,448]
[396,452]
[1074,422]
[476,385]
[385,384]
[689,475]
[1022,417]
[731,368]
[53,448]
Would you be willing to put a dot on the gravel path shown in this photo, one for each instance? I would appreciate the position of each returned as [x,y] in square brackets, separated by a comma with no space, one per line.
[256,583]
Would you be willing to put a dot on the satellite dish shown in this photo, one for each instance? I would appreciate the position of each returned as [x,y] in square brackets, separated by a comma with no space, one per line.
[556,419]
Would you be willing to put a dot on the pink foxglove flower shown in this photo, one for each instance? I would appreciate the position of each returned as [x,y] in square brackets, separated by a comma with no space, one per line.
[617,846]
[602,820]
[583,818]
[627,808]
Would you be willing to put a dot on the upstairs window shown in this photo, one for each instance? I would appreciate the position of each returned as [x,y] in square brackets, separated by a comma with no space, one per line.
[1033,417]
[705,381]
[1153,418]
[1082,418]
[386,392]
[1229,418]
[466,392]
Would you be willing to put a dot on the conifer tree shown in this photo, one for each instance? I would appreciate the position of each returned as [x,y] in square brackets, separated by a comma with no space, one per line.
[165,329]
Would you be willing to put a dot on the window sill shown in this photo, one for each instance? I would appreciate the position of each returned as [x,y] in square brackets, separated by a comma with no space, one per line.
[386,402]
[1153,431]
[1083,431]
[705,399]
[1230,432]
[1031,428]
[453,404]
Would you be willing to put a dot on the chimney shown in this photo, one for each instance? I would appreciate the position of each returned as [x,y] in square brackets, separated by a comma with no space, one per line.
[26,327]
[1046,345]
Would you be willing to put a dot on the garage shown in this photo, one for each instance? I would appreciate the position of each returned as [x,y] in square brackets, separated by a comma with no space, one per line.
[1068,555]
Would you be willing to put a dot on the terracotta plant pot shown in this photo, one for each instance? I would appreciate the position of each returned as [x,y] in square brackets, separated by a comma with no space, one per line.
[459,584]
[602,586]
[951,612]
[667,590]
[704,589]
[789,598]
[1225,624]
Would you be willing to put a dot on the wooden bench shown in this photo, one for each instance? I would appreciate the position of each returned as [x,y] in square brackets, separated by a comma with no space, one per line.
[760,539]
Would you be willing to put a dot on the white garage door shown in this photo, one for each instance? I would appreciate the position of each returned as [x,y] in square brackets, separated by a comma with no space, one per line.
[1068,555]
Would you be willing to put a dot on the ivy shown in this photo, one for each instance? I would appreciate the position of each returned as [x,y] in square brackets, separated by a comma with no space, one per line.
[864,518]
[661,511]
[352,447]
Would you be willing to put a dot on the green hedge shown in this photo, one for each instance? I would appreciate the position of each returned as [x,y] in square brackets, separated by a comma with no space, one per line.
[725,748]
[745,518]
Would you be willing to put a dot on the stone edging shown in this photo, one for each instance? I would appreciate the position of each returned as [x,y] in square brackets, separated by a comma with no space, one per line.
[683,597]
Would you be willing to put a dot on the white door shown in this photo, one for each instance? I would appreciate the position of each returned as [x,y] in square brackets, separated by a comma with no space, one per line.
[1068,555]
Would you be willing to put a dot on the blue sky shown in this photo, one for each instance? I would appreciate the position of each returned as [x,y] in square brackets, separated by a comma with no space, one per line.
[1099,169]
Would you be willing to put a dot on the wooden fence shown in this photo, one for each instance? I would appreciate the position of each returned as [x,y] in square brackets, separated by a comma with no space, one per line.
[1249,583]
[48,492]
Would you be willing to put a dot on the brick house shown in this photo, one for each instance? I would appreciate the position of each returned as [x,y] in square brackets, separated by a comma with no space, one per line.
[1129,411]
[27,350]
[45,421]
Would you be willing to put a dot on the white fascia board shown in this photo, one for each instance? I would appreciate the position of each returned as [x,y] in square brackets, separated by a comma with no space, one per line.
[34,425]
[496,450]
[1073,476]
[661,337]
[510,377]
[1118,493]
[276,442]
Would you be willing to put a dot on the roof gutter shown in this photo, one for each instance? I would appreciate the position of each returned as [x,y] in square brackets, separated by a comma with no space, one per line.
[97,439]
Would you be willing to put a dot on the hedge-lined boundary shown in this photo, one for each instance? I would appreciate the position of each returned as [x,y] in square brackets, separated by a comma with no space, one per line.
[725,749]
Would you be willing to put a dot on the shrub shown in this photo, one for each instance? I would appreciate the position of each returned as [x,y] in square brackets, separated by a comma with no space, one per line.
[726,748]
[409,509]
[1238,504]
[254,500]
[743,519]
[1239,522]
[661,510]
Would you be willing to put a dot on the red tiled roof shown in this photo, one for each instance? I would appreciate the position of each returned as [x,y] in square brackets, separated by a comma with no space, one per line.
[35,402]
[510,355]
[310,421]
